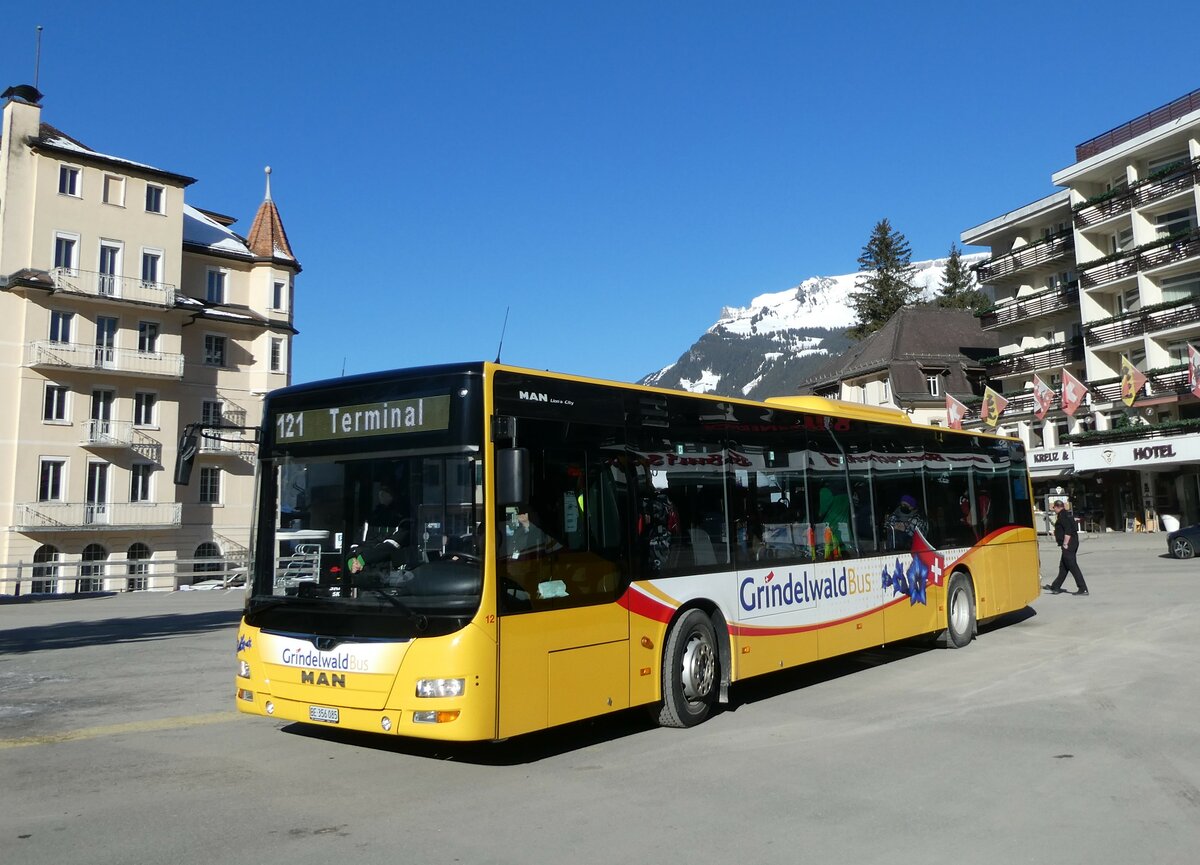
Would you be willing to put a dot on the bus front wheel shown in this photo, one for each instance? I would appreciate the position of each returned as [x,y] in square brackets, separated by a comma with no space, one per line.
[960,612]
[690,675]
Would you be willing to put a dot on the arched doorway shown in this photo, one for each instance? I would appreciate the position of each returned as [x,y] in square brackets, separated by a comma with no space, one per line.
[91,572]
[45,570]
[136,570]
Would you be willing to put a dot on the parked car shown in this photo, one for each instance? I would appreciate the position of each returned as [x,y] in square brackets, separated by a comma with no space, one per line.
[1184,542]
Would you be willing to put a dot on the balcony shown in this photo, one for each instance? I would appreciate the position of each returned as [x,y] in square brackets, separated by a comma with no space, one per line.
[122,435]
[1168,380]
[1045,252]
[1059,354]
[1162,184]
[226,445]
[1149,256]
[110,287]
[1149,320]
[1128,131]
[89,516]
[1042,303]
[122,361]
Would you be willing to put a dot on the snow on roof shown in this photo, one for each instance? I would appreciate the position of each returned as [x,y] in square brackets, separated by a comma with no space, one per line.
[65,143]
[202,230]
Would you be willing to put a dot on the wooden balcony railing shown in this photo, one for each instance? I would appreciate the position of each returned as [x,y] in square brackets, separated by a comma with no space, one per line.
[1156,254]
[1141,322]
[1044,358]
[1048,251]
[1139,194]
[1042,303]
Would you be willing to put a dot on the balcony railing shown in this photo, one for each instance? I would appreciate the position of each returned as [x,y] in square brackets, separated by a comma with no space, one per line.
[71,355]
[111,287]
[1128,131]
[1141,322]
[1033,305]
[120,434]
[1050,356]
[1043,252]
[226,445]
[91,516]
[1152,255]
[1139,194]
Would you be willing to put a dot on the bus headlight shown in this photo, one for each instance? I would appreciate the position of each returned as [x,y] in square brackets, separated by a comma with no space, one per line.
[243,669]
[441,687]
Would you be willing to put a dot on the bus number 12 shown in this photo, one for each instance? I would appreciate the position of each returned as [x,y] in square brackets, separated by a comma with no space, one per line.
[290,425]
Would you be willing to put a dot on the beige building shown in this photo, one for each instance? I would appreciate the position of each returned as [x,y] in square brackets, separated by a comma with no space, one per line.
[125,314]
[1108,267]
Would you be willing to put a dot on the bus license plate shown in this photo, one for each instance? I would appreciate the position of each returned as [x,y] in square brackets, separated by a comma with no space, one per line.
[323,713]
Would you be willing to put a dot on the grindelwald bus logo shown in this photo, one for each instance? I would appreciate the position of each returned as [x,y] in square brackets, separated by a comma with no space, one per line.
[800,590]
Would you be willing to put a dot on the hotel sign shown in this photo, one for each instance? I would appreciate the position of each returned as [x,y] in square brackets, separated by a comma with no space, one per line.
[1144,454]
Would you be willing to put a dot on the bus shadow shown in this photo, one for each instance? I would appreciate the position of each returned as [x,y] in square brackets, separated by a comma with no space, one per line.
[528,748]
[74,635]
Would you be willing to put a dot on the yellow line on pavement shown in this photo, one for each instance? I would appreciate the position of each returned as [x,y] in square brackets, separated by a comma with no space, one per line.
[118,729]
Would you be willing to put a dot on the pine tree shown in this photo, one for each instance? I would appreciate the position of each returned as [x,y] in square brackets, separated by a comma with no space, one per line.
[886,283]
[958,285]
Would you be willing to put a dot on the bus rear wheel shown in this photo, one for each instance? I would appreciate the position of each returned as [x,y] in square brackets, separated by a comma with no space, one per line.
[960,612]
[690,675]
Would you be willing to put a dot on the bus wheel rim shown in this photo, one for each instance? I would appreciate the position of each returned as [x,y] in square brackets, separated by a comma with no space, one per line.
[699,666]
[959,612]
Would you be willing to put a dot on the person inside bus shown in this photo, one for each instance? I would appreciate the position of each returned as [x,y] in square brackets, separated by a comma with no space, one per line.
[385,537]
[833,509]
[904,522]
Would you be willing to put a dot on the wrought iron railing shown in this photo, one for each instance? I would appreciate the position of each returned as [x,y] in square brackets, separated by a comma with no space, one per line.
[44,352]
[93,516]
[113,287]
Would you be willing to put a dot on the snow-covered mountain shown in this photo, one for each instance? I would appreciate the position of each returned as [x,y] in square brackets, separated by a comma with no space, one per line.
[769,346]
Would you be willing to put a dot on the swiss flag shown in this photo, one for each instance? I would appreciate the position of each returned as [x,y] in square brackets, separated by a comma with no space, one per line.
[930,559]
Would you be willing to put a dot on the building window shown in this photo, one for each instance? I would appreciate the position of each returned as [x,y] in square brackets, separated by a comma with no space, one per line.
[154,198]
[208,550]
[151,268]
[50,479]
[214,350]
[106,341]
[114,190]
[215,287]
[148,337]
[91,575]
[68,180]
[60,325]
[137,568]
[1175,222]
[212,413]
[110,269]
[276,354]
[54,407]
[1180,287]
[277,290]
[210,485]
[144,405]
[139,482]
[66,252]
[934,382]
[45,570]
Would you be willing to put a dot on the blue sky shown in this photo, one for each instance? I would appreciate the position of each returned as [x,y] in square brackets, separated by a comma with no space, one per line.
[615,172]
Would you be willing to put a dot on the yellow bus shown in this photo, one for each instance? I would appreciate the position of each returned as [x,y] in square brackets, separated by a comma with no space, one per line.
[476,551]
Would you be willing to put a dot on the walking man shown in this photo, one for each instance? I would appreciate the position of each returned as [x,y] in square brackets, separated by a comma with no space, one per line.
[1066,534]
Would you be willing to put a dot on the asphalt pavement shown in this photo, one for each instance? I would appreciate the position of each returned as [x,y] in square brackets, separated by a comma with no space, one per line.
[1066,733]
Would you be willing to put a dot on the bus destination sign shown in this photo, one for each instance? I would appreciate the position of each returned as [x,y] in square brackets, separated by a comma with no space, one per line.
[423,414]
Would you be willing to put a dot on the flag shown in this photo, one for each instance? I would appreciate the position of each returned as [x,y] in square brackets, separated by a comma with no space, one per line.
[1132,381]
[1193,370]
[955,412]
[993,407]
[1073,393]
[1043,397]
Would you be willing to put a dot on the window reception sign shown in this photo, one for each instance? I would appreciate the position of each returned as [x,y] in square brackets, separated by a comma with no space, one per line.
[423,414]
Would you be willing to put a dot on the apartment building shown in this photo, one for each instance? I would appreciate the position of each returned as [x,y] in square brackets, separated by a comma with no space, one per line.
[126,314]
[1107,267]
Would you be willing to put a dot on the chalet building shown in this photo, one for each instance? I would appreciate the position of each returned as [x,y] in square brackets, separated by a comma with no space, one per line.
[126,313]
[911,363]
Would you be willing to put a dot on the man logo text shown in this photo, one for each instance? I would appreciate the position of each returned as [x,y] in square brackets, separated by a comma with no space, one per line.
[311,677]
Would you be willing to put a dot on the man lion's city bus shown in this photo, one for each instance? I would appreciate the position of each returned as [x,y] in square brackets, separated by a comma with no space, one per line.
[476,551]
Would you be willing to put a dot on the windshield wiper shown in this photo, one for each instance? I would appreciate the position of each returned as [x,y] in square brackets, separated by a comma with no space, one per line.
[419,619]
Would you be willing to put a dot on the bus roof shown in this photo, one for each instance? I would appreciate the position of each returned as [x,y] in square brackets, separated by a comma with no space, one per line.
[840,407]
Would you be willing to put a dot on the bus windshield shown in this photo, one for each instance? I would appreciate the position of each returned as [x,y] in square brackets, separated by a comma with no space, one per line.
[378,545]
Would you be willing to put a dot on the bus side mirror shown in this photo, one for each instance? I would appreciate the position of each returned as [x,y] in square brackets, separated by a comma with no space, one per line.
[512,476]
[188,445]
